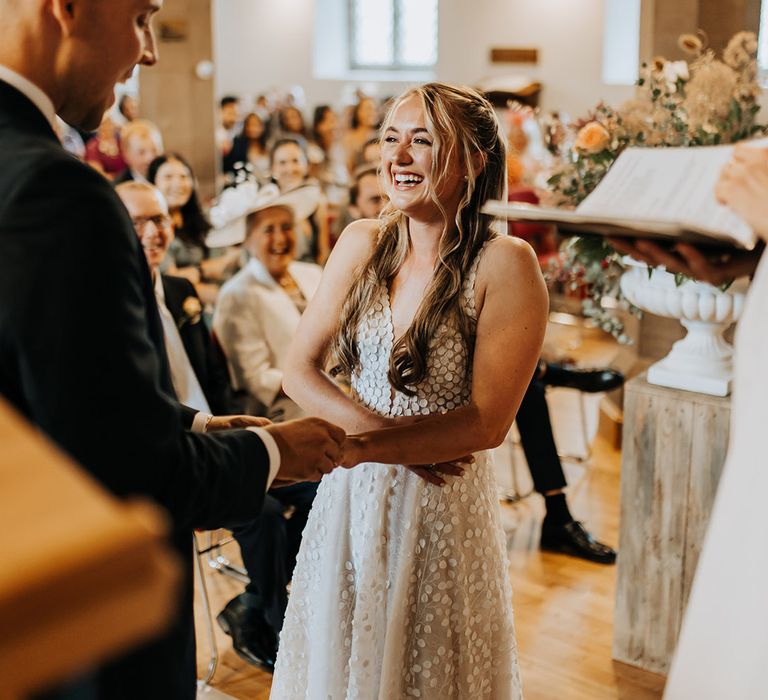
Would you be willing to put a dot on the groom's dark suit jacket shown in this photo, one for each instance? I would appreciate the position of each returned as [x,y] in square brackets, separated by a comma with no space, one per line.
[82,357]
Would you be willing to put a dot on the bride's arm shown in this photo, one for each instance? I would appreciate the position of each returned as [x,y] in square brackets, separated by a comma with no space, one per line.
[304,379]
[510,331]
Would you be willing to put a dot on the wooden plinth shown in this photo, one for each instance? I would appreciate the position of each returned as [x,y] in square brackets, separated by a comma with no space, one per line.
[673,451]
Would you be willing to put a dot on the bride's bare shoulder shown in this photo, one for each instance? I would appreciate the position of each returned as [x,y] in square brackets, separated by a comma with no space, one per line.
[509,266]
[356,243]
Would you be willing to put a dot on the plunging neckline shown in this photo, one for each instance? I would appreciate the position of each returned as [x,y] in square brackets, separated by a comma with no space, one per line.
[391,316]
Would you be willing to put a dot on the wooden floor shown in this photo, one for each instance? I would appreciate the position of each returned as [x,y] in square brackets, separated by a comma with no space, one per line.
[563,606]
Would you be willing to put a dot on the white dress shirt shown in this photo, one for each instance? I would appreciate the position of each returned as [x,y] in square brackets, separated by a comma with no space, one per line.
[185,381]
[31,92]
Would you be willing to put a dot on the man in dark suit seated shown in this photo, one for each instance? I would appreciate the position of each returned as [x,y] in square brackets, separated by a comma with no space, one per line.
[82,355]
[269,543]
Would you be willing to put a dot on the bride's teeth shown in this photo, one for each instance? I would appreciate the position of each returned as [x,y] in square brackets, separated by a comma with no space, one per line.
[400,178]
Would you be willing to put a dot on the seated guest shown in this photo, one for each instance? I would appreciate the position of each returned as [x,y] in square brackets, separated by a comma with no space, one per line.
[366,199]
[364,122]
[290,125]
[229,117]
[198,367]
[128,108]
[189,256]
[290,170]
[325,152]
[141,144]
[256,316]
[103,152]
[250,147]
[258,310]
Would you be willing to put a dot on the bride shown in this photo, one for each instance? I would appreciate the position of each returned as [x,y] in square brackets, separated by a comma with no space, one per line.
[401,586]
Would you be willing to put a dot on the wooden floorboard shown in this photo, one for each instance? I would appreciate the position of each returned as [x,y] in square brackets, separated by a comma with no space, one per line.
[563,606]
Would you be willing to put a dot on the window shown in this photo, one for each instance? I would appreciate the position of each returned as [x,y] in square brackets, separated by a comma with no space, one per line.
[392,34]
[621,42]
[762,51]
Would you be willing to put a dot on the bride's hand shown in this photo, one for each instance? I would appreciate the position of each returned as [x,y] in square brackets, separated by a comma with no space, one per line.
[433,473]
[352,451]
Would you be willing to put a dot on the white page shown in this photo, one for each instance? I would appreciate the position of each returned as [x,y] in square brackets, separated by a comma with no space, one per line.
[669,184]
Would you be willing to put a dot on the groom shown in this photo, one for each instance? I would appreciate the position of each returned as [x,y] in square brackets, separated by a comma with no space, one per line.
[81,343]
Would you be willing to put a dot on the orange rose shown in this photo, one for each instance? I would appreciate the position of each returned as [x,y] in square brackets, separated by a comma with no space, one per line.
[592,138]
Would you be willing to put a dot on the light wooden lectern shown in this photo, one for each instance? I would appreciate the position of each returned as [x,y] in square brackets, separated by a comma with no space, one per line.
[83,575]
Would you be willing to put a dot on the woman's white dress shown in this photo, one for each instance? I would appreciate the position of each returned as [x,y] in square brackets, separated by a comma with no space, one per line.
[401,588]
[723,648]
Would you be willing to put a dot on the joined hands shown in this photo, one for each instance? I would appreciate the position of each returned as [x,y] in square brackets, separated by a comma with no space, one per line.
[354,452]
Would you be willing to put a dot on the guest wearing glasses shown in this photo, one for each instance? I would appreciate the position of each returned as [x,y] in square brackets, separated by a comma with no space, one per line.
[198,367]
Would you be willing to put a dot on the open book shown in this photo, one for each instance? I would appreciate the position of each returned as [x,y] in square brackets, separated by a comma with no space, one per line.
[662,193]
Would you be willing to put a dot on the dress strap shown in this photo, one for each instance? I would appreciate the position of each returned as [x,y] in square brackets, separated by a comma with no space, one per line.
[469,282]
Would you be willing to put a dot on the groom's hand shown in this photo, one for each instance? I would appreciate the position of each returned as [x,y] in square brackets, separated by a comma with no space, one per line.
[309,449]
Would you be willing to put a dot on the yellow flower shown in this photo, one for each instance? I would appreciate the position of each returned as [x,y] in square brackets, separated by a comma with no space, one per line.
[192,309]
[592,138]
[691,44]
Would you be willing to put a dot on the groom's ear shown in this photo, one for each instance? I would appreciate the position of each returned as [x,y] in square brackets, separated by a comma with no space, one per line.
[66,12]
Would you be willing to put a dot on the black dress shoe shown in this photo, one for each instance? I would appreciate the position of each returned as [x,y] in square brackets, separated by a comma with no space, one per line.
[573,539]
[587,380]
[253,638]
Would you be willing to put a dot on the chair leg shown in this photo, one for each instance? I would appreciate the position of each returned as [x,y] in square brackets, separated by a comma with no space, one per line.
[514,494]
[216,560]
[213,660]
[585,458]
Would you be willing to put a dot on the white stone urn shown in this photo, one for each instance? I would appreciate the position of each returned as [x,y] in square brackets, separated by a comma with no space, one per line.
[703,360]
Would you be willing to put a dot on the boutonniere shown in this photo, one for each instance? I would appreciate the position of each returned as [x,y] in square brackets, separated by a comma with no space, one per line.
[193,311]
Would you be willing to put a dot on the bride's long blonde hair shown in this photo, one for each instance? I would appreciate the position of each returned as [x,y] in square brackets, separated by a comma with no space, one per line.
[466,133]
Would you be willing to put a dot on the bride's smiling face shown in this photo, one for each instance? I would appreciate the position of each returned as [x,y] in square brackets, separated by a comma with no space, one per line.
[407,155]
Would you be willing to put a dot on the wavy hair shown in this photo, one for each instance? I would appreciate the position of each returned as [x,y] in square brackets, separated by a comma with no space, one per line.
[466,135]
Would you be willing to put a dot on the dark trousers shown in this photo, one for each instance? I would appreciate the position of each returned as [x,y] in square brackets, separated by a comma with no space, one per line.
[269,545]
[535,428]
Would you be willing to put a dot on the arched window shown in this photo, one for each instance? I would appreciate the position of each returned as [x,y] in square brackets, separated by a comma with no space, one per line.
[392,34]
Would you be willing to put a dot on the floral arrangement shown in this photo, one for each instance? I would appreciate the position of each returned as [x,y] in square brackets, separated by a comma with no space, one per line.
[702,102]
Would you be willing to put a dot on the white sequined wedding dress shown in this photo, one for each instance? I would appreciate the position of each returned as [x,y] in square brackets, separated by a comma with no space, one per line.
[401,587]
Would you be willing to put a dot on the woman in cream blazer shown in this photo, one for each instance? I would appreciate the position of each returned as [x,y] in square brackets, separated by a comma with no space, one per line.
[258,311]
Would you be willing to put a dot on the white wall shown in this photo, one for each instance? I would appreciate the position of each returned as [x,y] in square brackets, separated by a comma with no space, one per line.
[264,43]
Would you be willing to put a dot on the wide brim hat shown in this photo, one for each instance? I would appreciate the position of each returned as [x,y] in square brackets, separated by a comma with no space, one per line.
[235,204]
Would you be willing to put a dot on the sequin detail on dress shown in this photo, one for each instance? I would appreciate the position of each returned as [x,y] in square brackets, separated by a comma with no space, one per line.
[401,588]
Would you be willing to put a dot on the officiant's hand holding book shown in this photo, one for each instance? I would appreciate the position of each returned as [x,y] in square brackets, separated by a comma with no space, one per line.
[666,194]
[697,263]
[742,186]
